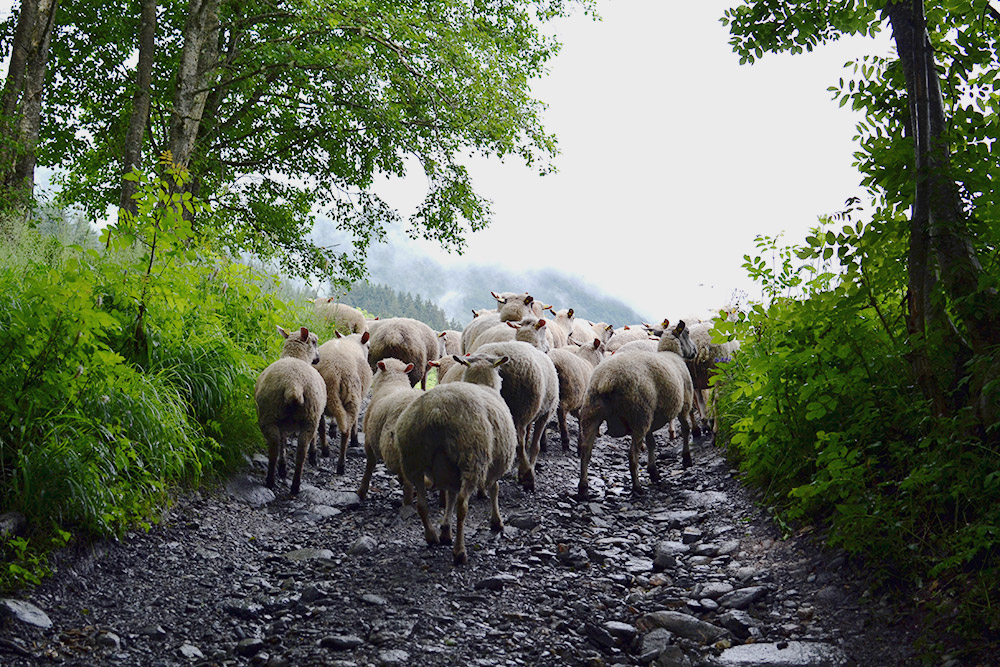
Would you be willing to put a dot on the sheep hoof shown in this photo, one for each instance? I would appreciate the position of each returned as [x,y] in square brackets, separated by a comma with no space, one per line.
[312,458]
[461,558]
[686,461]
[294,491]
[445,535]
[340,468]
[432,538]
[583,492]
[325,452]
[638,490]
[696,431]
[496,527]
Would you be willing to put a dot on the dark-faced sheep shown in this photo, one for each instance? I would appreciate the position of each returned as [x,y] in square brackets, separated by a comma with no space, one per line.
[637,394]
[461,437]
[290,397]
[343,364]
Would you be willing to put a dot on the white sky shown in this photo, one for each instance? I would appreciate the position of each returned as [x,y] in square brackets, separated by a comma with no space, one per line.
[673,157]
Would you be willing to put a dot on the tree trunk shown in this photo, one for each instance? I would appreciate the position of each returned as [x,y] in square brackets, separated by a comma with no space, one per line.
[197,64]
[22,99]
[132,156]
[941,253]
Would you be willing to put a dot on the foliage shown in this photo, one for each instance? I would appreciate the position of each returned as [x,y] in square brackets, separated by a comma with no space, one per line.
[821,411]
[125,372]
[311,103]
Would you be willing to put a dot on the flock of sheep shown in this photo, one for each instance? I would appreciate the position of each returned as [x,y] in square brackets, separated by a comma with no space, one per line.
[501,381]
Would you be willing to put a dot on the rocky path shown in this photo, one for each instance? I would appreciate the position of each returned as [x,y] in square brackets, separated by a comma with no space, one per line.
[689,573]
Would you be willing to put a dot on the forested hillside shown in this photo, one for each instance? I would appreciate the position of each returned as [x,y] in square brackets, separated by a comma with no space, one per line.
[384,301]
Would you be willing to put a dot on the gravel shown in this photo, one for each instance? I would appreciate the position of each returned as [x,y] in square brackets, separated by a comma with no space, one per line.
[691,572]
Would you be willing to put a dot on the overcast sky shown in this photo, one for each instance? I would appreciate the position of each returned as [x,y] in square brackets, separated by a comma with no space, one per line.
[673,157]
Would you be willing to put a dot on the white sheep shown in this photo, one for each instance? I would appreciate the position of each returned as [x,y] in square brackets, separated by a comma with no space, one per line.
[460,436]
[347,319]
[527,330]
[624,335]
[391,394]
[531,391]
[574,366]
[512,308]
[343,364]
[449,343]
[702,368]
[290,397]
[638,393]
[408,340]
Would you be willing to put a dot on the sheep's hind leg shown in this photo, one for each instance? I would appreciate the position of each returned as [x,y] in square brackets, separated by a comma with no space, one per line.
[563,429]
[496,523]
[462,508]
[525,473]
[451,498]
[275,454]
[633,462]
[685,438]
[430,534]
[588,433]
[345,435]
[305,441]
[654,474]
[371,459]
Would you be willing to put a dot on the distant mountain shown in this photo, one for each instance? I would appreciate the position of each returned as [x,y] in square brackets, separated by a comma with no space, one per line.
[458,290]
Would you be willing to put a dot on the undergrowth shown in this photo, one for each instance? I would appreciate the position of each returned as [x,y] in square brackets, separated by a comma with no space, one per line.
[821,411]
[126,370]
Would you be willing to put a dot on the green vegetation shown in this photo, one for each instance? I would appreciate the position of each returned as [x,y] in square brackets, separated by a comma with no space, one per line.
[125,371]
[866,398]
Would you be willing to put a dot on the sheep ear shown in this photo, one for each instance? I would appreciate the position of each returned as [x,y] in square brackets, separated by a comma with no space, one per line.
[513,325]
[679,328]
[304,333]
[609,328]
[409,367]
[666,323]
[597,343]
[461,360]
[381,365]
[283,332]
[527,300]
[569,313]
[365,337]
[337,334]
[434,364]
[441,335]
[539,324]
[502,360]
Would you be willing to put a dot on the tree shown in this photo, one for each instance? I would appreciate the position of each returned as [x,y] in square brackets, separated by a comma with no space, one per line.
[925,148]
[282,110]
[21,104]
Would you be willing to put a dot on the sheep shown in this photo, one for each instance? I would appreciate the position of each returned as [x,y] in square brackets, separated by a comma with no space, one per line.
[702,367]
[574,368]
[343,364]
[578,331]
[602,330]
[391,394]
[624,335]
[647,344]
[657,329]
[448,370]
[530,330]
[405,339]
[449,343]
[290,397]
[346,318]
[462,437]
[513,308]
[531,391]
[639,393]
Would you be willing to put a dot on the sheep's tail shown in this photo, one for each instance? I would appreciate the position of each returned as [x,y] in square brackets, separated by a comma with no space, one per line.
[294,395]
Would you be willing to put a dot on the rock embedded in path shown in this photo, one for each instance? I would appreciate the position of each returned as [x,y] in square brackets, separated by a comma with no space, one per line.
[300,555]
[496,582]
[783,654]
[682,624]
[341,642]
[363,545]
[742,598]
[191,652]
[245,490]
[338,499]
[12,523]
[25,612]
[667,552]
